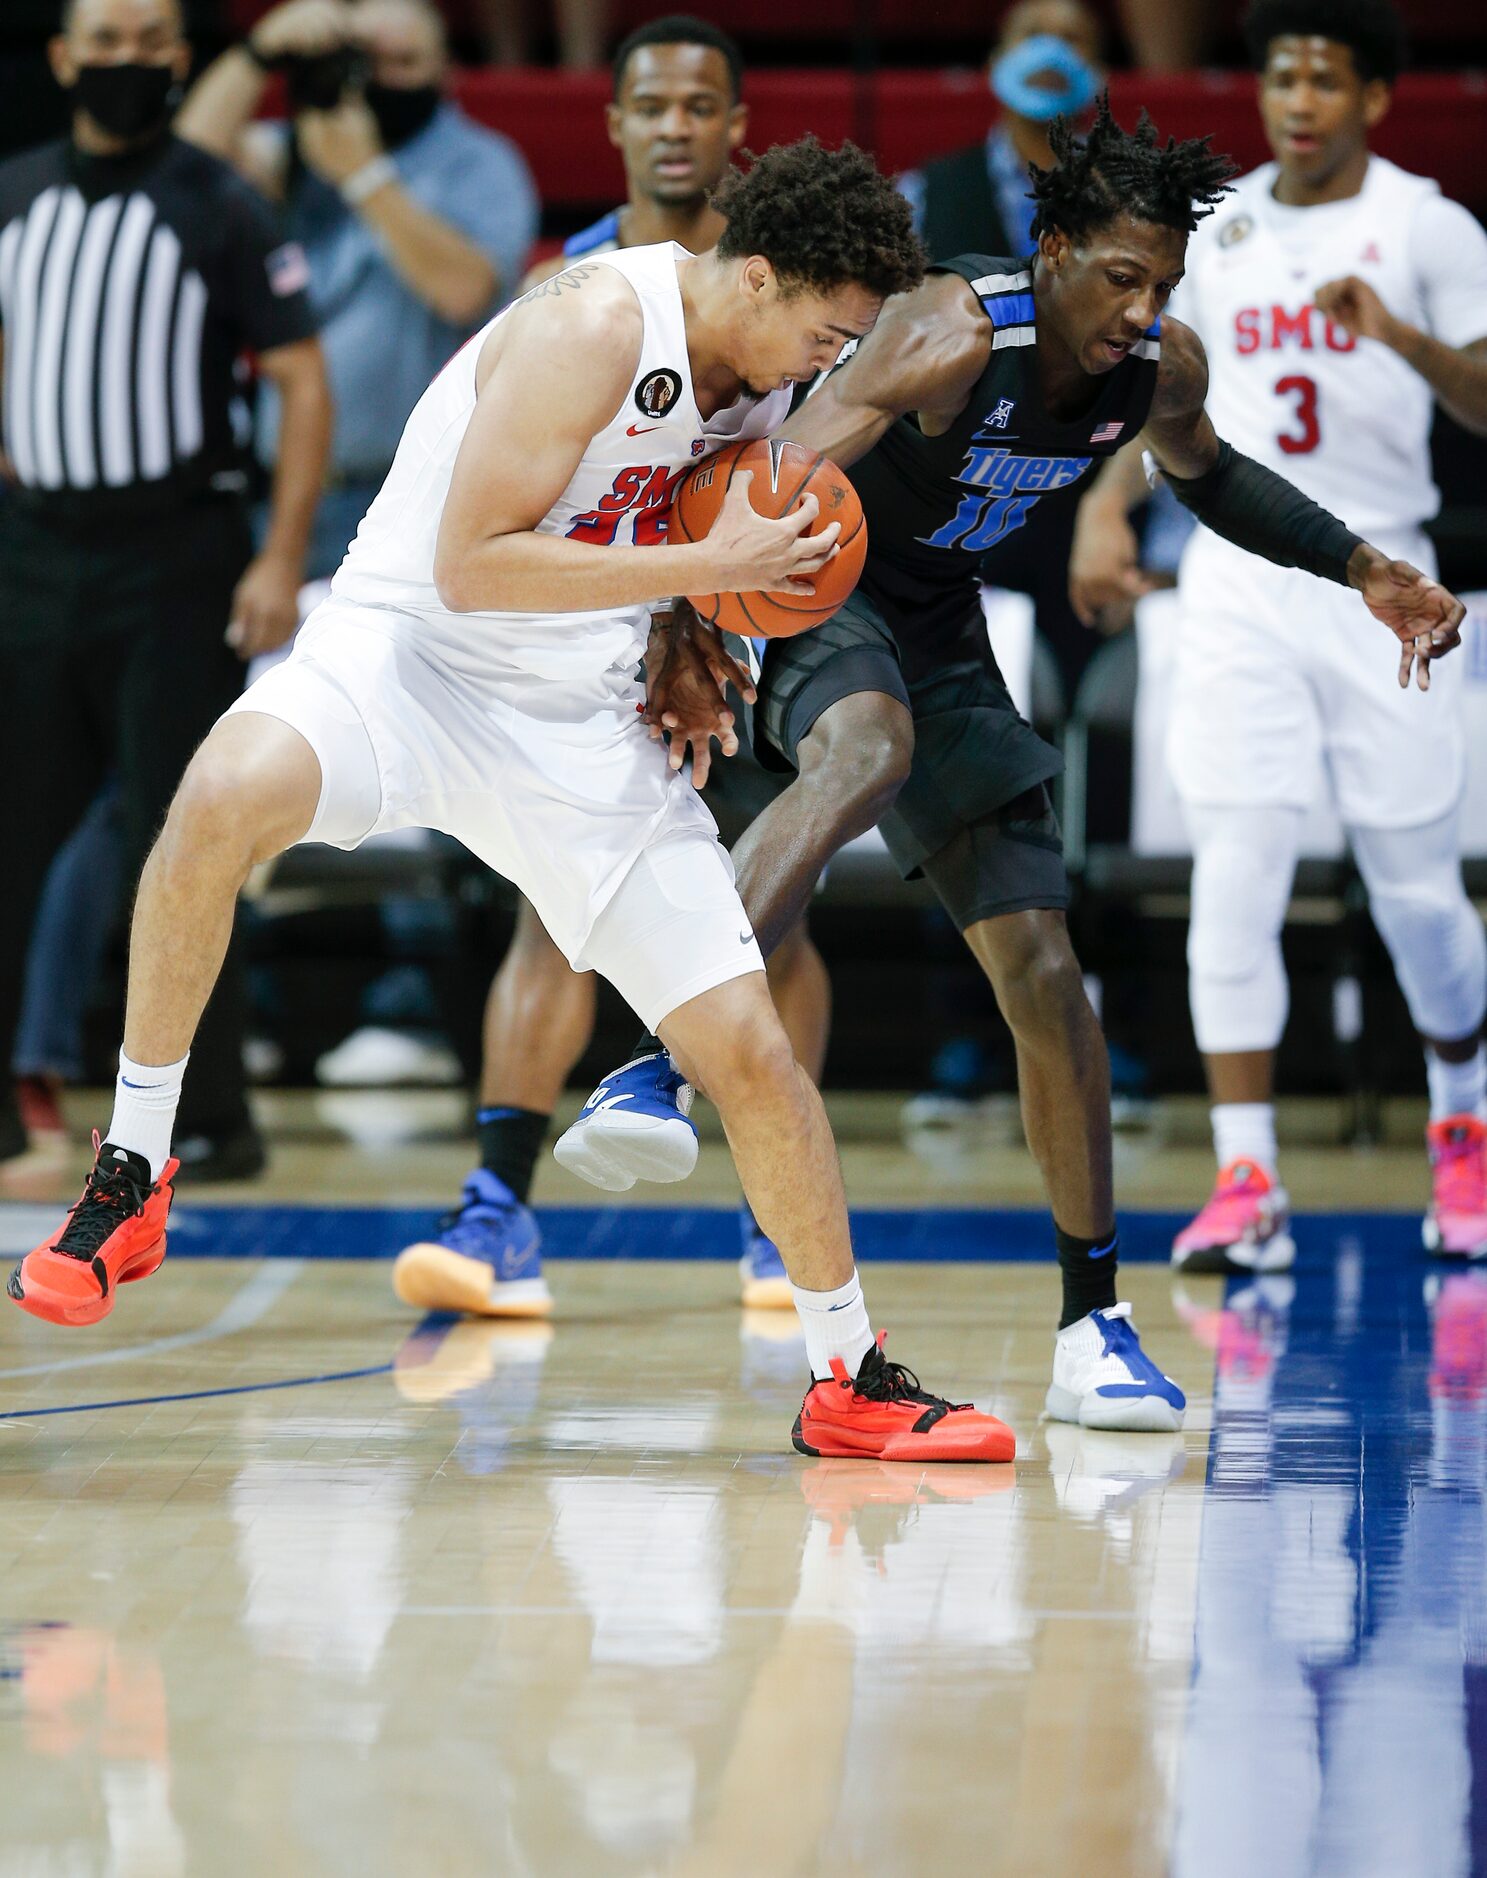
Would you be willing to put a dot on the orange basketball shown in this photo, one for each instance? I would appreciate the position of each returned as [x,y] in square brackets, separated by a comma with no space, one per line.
[783,473]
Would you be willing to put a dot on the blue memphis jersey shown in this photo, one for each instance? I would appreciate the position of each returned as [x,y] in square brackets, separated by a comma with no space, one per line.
[936,505]
[597,238]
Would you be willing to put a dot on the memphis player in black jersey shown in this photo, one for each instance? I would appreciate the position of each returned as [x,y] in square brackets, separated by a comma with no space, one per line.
[998,384]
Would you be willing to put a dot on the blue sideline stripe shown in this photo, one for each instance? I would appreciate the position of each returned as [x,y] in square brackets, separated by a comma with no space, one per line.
[945,1235]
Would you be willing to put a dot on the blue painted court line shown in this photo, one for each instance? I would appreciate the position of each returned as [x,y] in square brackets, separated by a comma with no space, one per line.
[198,1395]
[942,1235]
[1338,1715]
[435,1321]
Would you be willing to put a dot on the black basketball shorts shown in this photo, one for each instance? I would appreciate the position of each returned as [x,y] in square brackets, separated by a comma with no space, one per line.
[975,816]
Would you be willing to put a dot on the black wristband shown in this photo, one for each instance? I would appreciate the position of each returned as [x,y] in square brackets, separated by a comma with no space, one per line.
[1264,514]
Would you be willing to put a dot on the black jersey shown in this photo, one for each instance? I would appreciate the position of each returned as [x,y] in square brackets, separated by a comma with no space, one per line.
[935,506]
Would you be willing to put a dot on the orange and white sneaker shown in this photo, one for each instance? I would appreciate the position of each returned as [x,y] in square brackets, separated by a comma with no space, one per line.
[1243,1227]
[882,1414]
[1456,1225]
[113,1236]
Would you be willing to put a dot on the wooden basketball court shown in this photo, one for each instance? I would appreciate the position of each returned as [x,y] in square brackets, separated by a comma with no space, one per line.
[296,1583]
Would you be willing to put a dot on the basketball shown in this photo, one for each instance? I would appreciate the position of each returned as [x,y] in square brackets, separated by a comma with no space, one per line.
[784,473]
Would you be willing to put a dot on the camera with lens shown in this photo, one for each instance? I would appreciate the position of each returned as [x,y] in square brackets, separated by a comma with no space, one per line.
[319,83]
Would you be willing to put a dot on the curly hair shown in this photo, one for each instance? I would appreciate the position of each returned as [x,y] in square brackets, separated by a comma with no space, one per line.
[1370,29]
[822,218]
[1113,172]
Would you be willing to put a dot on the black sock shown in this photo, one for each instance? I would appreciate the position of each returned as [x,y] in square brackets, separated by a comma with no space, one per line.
[509,1140]
[648,1045]
[1087,1267]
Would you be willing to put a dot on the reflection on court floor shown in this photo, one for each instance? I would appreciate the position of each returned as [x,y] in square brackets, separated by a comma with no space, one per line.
[298,1584]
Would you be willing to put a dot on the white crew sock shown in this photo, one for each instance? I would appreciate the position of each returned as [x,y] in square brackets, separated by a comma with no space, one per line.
[146,1097]
[1245,1131]
[1457,1088]
[835,1324]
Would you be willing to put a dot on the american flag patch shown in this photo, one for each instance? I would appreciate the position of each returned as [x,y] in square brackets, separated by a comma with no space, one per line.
[1107,433]
[288,270]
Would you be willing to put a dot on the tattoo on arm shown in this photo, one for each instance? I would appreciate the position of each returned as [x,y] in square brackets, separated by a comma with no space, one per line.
[569,281]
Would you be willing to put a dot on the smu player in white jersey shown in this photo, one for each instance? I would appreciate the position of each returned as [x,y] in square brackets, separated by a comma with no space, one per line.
[1337,297]
[473,671]
[676,119]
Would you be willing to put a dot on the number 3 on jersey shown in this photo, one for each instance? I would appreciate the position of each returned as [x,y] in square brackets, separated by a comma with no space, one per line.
[1306,433]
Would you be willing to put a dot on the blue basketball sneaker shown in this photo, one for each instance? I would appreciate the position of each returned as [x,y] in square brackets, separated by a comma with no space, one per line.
[486,1261]
[761,1270]
[1102,1378]
[635,1126]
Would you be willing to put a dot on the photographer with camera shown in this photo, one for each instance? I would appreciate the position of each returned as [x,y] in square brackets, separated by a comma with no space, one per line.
[415,221]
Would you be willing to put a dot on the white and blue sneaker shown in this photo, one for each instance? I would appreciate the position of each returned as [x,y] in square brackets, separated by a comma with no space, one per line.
[635,1126]
[486,1261]
[1102,1378]
[761,1270]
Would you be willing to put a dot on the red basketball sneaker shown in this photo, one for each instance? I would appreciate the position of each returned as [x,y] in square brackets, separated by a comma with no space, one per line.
[884,1415]
[115,1234]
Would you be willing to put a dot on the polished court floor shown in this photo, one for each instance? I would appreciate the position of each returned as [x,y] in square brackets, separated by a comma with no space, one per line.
[294,1583]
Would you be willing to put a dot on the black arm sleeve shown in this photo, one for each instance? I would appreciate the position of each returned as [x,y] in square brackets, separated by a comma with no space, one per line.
[1264,514]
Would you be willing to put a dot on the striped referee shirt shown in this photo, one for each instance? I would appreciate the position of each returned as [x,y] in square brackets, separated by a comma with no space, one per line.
[130,287]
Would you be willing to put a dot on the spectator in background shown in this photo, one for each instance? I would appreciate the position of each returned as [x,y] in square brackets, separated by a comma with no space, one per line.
[1167,35]
[135,272]
[415,220]
[581,28]
[1046,62]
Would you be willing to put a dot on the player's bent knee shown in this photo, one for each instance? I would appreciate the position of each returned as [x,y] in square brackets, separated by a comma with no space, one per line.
[1040,984]
[730,1042]
[249,792]
[860,758]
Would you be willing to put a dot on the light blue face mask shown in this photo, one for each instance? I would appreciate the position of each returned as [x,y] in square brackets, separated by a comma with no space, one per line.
[1043,56]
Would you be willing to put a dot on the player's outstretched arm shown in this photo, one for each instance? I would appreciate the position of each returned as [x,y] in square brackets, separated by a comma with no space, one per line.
[925,354]
[550,377]
[1264,514]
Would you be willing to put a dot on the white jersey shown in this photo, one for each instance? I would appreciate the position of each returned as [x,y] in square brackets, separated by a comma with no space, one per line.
[618,496]
[1346,420]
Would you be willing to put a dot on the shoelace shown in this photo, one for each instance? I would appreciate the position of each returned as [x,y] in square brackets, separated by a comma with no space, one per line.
[111,1196]
[895,1382]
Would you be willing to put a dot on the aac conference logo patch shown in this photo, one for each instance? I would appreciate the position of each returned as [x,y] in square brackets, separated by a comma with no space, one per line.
[656,393]
[1236,230]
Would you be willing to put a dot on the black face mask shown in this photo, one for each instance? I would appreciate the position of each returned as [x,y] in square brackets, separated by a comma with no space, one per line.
[126,100]
[401,111]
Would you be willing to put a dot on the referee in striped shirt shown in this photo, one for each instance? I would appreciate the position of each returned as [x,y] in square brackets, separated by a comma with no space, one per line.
[135,273]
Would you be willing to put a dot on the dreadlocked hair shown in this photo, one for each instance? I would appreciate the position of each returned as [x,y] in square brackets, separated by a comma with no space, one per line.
[1115,172]
[823,219]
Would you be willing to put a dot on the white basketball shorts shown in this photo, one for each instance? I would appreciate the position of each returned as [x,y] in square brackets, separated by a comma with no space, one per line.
[553,784]
[1286,684]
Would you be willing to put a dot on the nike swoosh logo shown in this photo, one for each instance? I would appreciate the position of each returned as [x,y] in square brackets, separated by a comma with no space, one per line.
[140,1085]
[839,1307]
[613,1102]
[639,430]
[745,938]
